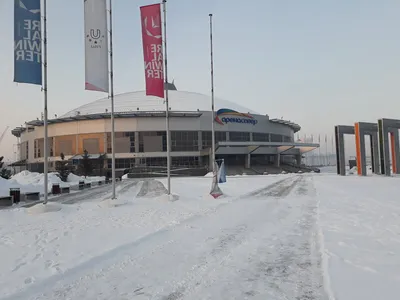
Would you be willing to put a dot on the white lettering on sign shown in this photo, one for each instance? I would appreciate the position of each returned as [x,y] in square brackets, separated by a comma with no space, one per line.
[154,68]
[29,48]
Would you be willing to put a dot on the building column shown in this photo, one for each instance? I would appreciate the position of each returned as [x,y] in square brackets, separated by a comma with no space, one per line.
[200,146]
[247,164]
[277,160]
[54,146]
[137,159]
[199,140]
[136,141]
[298,159]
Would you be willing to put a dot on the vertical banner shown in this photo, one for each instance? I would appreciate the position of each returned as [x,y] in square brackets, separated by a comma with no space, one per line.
[27,42]
[152,49]
[96,46]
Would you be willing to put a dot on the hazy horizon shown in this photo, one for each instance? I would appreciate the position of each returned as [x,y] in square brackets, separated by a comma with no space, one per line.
[316,64]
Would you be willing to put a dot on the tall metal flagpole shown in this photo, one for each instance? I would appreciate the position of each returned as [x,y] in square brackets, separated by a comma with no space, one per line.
[326,150]
[112,105]
[46,142]
[166,100]
[212,97]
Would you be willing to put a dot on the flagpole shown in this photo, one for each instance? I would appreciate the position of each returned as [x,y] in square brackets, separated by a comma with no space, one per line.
[112,104]
[46,142]
[326,149]
[166,100]
[333,152]
[212,97]
[319,150]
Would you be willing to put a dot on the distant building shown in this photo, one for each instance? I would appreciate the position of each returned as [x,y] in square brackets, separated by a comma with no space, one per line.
[243,137]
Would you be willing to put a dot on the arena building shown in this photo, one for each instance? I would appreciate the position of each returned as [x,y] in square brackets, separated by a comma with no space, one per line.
[244,138]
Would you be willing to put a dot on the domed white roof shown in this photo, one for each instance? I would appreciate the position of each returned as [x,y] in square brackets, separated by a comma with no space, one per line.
[138,101]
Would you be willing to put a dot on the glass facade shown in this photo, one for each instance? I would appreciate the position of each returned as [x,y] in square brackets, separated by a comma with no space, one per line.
[129,163]
[187,161]
[184,141]
[122,163]
[220,136]
[276,138]
[239,136]
[287,139]
[260,137]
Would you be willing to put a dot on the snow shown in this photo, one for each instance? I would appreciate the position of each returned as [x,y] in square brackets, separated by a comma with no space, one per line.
[292,236]
[34,182]
[40,208]
[360,223]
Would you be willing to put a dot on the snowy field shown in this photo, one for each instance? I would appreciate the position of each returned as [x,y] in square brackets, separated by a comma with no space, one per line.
[308,236]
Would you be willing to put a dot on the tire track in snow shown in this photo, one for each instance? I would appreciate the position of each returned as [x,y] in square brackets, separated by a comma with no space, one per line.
[293,267]
[286,265]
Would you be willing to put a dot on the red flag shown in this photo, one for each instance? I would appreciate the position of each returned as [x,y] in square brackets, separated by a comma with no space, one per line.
[152,49]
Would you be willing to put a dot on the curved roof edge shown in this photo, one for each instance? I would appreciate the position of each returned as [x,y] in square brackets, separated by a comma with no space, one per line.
[138,101]
[296,127]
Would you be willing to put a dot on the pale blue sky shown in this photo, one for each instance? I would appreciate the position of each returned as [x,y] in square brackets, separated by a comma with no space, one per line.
[318,63]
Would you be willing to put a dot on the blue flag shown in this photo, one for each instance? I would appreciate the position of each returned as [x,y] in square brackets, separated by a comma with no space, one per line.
[222,173]
[27,42]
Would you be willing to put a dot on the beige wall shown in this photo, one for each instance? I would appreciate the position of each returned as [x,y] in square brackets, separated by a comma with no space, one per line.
[97,136]
[66,139]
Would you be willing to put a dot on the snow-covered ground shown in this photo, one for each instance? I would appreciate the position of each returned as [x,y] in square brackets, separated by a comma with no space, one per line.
[308,236]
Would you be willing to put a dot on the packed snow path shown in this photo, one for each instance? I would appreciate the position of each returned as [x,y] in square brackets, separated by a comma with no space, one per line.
[260,246]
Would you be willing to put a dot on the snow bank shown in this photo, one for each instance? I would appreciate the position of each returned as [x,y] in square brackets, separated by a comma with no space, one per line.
[74,179]
[34,182]
[29,182]
[40,208]
[152,188]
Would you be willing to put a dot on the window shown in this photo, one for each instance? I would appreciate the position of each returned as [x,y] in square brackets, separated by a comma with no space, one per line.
[276,137]
[287,139]
[190,161]
[122,163]
[38,147]
[184,141]
[35,149]
[260,137]
[239,136]
[220,136]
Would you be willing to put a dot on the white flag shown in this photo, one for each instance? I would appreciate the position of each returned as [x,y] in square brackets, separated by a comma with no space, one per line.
[96,46]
